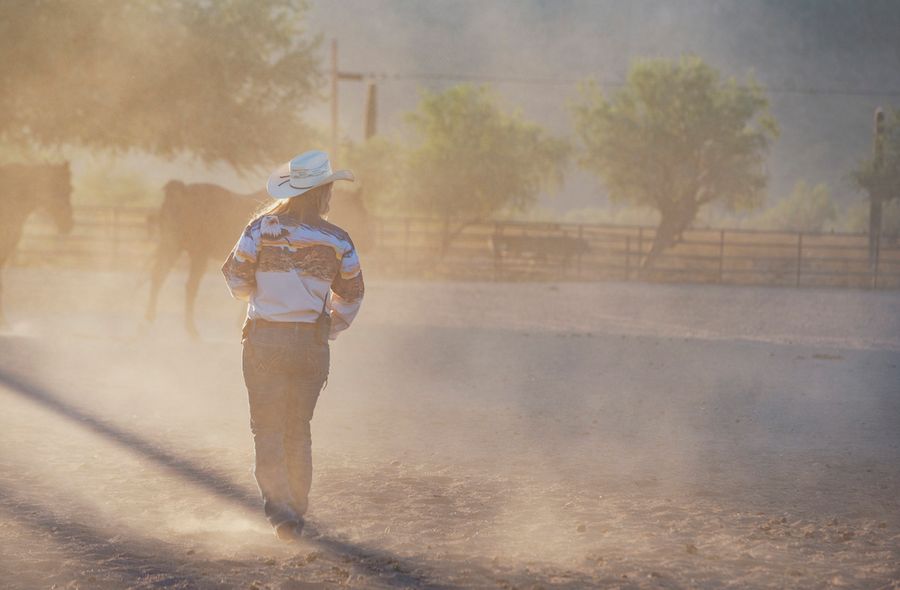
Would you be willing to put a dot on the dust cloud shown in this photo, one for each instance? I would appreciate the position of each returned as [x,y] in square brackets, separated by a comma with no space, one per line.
[469,433]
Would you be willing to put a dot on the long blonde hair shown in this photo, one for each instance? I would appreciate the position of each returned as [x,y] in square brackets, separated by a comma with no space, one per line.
[313,203]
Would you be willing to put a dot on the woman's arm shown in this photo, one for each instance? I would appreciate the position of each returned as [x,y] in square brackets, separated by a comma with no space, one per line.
[240,266]
[347,293]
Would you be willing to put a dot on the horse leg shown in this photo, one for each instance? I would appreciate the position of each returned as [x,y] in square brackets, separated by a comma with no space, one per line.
[166,255]
[198,267]
[4,254]
[9,239]
[2,318]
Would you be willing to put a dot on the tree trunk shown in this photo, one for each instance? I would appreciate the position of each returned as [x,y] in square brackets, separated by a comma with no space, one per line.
[671,226]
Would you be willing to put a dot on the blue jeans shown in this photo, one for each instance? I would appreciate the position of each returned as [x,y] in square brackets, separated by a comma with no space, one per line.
[285,368]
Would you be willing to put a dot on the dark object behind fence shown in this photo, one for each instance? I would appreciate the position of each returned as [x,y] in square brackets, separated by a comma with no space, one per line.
[518,251]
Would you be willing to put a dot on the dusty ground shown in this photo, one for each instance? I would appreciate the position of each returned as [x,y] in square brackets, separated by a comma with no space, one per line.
[472,435]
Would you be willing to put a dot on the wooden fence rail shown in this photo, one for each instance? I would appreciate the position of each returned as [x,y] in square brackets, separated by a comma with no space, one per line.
[116,238]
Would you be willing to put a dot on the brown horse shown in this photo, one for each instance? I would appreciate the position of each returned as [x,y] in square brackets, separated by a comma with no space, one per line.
[203,220]
[24,188]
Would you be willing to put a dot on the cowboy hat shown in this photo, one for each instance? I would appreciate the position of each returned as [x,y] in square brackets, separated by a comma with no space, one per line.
[306,171]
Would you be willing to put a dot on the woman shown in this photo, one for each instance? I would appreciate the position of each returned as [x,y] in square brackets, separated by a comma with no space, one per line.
[285,265]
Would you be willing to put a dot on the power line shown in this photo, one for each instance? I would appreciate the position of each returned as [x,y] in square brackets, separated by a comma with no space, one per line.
[539,81]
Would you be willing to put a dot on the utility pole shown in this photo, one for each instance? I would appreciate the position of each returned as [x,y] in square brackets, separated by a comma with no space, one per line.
[334,98]
[336,76]
[371,123]
[876,193]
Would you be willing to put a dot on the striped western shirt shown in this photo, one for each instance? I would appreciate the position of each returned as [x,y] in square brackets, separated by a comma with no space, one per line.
[285,269]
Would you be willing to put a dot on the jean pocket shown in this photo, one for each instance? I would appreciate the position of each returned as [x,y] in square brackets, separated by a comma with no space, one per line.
[260,359]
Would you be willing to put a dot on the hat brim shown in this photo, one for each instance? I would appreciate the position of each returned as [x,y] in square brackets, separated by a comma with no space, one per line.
[278,186]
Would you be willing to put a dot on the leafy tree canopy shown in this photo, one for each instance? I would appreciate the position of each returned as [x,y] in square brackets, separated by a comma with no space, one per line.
[857,219]
[223,80]
[676,137]
[379,166]
[808,208]
[884,180]
[473,159]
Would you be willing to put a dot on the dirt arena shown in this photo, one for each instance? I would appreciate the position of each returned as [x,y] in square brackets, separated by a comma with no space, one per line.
[472,435]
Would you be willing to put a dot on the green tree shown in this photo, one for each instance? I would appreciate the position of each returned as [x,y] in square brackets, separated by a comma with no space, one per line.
[807,209]
[676,137]
[883,180]
[224,80]
[473,159]
[856,219]
[380,170]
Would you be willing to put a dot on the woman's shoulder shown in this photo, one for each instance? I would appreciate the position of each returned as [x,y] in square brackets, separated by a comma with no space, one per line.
[252,229]
[278,226]
[333,230]
[264,226]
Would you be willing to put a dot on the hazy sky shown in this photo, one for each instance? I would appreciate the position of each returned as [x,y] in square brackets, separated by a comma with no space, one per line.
[792,47]
[807,52]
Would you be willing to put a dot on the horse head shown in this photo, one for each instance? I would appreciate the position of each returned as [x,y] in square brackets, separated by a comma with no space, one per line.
[57,179]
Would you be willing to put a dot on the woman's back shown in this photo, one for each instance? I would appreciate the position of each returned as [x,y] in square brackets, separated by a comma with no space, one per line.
[284,267]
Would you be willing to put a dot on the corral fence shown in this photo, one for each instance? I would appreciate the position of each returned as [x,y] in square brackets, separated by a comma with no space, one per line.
[116,238]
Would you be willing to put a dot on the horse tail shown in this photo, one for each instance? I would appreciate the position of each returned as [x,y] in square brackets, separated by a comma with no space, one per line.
[172,206]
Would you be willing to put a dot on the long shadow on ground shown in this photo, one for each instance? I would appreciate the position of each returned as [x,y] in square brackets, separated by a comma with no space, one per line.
[128,561]
[375,561]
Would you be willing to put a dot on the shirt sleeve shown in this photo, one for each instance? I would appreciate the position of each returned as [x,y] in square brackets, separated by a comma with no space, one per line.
[240,266]
[347,291]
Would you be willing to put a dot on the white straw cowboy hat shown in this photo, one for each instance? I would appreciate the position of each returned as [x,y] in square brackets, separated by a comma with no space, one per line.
[306,171]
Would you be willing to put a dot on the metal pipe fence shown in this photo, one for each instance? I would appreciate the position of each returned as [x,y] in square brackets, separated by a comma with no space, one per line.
[114,238]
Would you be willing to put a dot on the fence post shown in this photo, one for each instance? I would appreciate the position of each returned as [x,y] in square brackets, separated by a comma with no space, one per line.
[406,248]
[799,255]
[117,258]
[875,269]
[627,257]
[578,249]
[498,262]
[721,254]
[640,248]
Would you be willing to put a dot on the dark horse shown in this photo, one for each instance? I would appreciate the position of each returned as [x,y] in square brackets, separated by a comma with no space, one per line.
[204,220]
[24,188]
